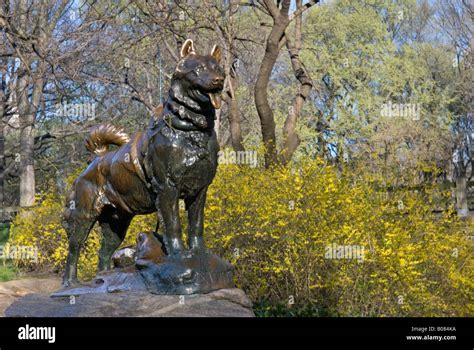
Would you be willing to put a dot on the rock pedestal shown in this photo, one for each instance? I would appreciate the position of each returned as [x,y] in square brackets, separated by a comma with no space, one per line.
[221,303]
[146,282]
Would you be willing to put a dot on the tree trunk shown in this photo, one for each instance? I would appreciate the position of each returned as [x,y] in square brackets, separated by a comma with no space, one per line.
[227,35]
[3,112]
[461,196]
[2,147]
[217,125]
[27,170]
[462,207]
[321,125]
[291,139]
[30,79]
[281,20]
[234,117]
[27,138]
[265,113]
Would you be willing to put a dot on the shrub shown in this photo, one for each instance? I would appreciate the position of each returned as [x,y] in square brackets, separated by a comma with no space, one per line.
[280,228]
[7,273]
[275,227]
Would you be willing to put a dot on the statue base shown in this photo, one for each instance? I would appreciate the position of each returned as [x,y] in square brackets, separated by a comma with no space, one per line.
[152,270]
[200,273]
[196,274]
[149,283]
[221,303]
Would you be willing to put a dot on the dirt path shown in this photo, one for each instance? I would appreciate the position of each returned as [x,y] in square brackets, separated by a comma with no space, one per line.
[12,290]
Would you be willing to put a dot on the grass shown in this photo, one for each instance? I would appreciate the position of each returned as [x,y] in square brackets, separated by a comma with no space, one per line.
[267,309]
[7,273]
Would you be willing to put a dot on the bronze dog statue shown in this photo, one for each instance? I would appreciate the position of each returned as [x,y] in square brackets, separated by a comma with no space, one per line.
[175,158]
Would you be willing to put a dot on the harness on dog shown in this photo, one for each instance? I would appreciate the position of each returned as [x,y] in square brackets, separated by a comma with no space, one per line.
[135,161]
[154,127]
[174,123]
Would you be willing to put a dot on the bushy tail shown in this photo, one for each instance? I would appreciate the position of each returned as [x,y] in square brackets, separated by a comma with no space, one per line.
[103,135]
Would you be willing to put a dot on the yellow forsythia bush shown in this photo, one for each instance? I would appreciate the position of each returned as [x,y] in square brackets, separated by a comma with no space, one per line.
[305,235]
[279,228]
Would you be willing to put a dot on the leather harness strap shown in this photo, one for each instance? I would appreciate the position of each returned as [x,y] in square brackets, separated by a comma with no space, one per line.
[136,161]
[145,172]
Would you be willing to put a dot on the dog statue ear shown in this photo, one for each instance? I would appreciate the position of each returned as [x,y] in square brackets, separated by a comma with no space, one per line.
[187,48]
[216,52]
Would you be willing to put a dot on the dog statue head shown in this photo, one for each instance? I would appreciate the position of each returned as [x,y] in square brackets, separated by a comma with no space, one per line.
[201,77]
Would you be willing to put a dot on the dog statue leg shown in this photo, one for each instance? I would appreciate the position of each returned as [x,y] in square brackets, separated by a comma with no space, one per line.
[168,206]
[113,230]
[77,229]
[195,207]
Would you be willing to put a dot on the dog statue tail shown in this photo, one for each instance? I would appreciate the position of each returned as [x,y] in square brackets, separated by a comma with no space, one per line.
[101,136]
